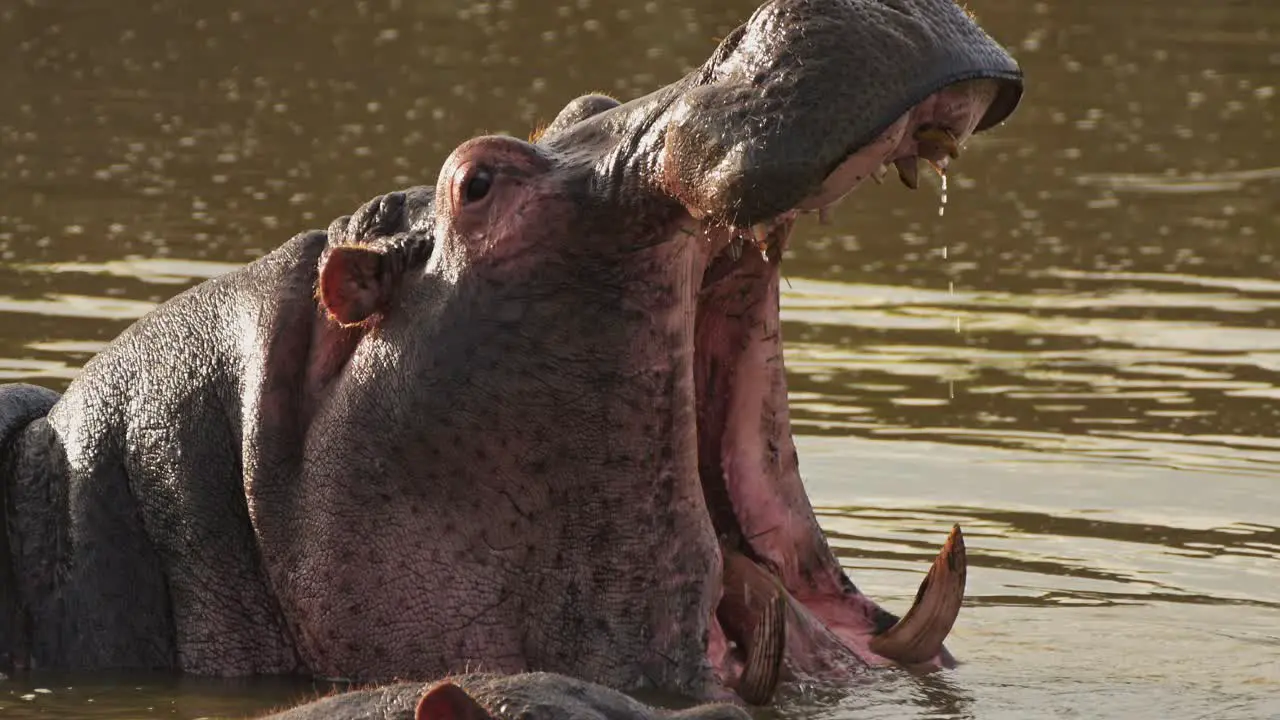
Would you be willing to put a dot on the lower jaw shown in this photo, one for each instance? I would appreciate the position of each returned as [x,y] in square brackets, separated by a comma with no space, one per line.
[761,633]
[773,549]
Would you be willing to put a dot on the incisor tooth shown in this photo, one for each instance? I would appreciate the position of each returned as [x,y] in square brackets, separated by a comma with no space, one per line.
[761,234]
[879,173]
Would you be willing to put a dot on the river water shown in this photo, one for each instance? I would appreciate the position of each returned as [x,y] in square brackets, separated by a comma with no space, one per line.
[1079,362]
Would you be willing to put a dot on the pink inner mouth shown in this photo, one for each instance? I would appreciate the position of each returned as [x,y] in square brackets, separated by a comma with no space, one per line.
[747,459]
[751,480]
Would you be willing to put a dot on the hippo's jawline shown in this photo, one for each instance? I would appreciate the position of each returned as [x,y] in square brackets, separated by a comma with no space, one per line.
[747,460]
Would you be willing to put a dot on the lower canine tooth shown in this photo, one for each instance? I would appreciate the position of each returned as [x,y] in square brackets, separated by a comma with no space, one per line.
[754,610]
[918,636]
[763,667]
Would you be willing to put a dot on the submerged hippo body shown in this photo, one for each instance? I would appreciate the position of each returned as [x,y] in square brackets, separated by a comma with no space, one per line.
[525,696]
[533,418]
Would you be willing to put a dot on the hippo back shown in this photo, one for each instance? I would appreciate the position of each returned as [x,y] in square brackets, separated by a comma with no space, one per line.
[19,405]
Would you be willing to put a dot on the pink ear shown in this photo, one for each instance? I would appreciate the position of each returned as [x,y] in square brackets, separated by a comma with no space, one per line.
[352,283]
[447,701]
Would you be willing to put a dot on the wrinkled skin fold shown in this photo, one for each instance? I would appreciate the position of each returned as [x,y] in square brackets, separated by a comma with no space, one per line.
[396,448]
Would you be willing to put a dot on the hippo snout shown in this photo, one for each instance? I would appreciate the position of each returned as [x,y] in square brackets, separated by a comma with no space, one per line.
[806,84]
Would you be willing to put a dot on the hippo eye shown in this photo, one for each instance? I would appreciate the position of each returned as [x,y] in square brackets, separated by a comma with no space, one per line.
[478,186]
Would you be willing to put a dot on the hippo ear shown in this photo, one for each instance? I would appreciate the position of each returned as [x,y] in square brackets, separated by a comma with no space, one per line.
[447,701]
[354,283]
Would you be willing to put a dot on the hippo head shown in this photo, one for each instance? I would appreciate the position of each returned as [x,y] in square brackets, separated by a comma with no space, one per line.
[562,439]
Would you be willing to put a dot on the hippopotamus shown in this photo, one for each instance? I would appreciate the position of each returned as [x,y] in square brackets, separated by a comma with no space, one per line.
[522,696]
[531,418]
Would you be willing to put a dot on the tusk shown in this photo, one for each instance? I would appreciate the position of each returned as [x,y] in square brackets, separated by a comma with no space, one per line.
[908,171]
[918,636]
[753,611]
[763,668]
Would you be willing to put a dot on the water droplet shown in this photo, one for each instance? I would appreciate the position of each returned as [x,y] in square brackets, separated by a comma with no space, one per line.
[942,207]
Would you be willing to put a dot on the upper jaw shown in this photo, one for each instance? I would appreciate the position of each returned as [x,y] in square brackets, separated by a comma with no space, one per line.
[760,129]
[933,132]
[798,106]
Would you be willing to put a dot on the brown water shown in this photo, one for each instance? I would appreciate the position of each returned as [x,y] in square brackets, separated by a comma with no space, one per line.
[1080,362]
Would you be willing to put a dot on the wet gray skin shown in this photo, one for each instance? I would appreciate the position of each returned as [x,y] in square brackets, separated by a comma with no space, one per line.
[525,696]
[534,418]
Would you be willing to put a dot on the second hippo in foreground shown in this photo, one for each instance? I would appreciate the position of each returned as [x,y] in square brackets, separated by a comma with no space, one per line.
[535,417]
[524,696]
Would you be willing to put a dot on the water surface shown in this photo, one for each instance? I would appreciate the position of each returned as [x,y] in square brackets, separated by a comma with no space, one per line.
[1079,362]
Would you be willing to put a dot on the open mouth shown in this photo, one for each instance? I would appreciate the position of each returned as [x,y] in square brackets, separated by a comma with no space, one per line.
[787,609]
